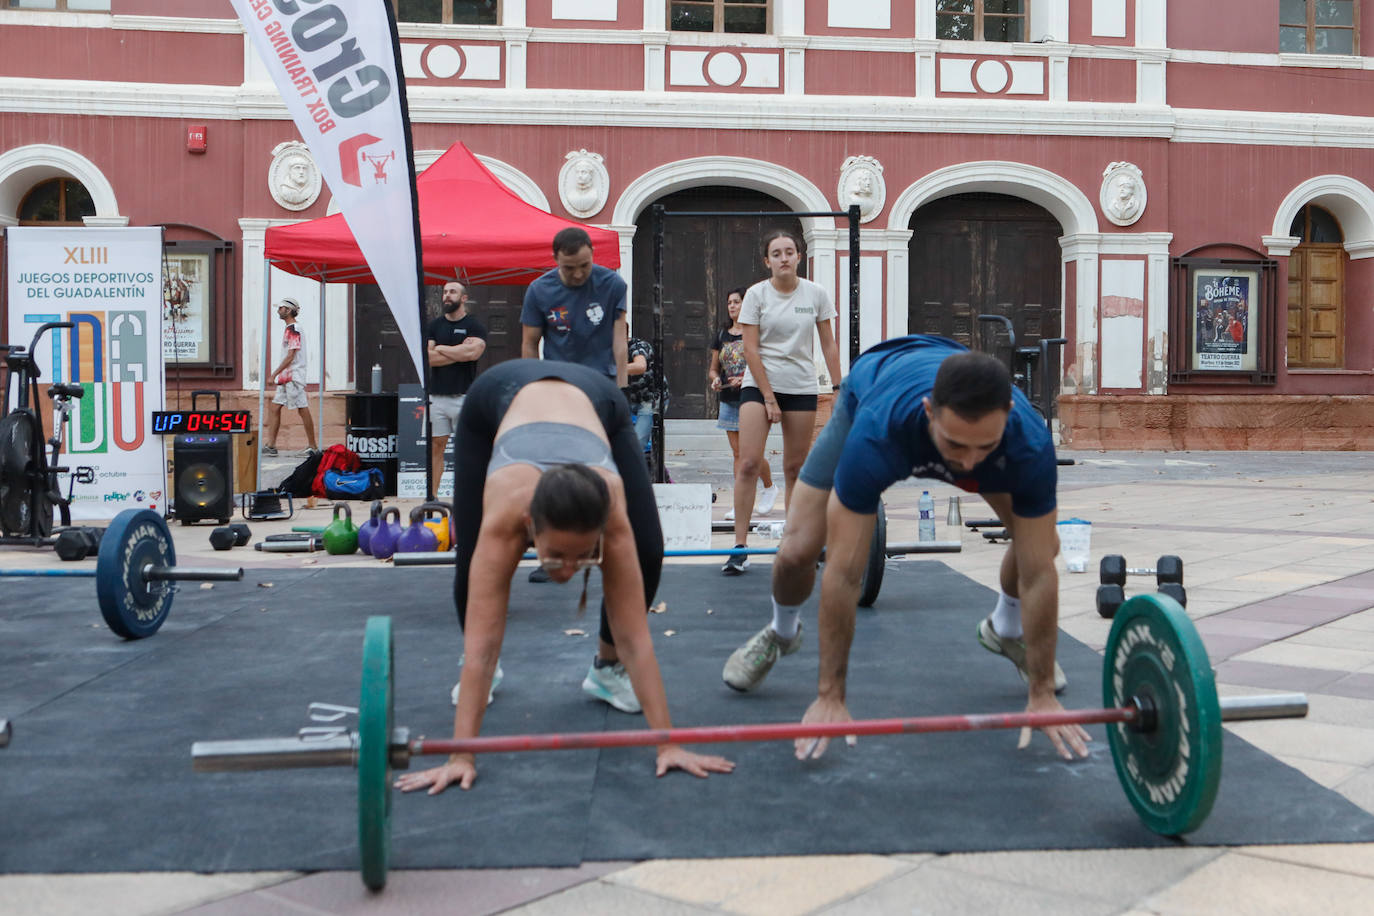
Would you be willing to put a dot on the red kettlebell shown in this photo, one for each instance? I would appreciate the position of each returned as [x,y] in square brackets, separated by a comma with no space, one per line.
[369,528]
[418,538]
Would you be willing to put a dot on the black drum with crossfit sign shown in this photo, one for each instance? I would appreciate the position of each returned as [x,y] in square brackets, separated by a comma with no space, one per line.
[371,433]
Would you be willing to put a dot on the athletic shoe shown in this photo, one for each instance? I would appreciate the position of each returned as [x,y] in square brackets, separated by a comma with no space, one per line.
[611,684]
[1014,649]
[748,665]
[270,451]
[767,500]
[538,574]
[495,682]
[736,565]
[730,516]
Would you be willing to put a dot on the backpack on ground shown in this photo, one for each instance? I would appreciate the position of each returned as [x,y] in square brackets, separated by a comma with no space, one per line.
[300,482]
[335,458]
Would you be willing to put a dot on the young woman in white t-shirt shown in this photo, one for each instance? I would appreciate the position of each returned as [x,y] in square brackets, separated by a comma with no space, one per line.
[780,317]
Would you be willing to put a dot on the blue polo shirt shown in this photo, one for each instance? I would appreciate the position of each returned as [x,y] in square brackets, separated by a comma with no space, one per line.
[889,439]
[577,321]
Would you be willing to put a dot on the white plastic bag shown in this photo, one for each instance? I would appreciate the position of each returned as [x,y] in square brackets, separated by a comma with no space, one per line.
[1075,544]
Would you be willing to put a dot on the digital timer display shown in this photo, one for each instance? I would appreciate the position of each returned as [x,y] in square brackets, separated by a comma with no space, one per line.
[176,422]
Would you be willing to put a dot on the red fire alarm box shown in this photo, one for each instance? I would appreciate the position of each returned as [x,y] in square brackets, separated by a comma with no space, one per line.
[195,138]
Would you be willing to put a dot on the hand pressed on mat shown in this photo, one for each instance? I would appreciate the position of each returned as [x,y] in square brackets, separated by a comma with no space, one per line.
[673,757]
[823,709]
[1067,739]
[461,770]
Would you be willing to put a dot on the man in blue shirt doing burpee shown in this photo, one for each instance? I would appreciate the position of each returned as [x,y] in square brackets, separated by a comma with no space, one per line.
[919,406]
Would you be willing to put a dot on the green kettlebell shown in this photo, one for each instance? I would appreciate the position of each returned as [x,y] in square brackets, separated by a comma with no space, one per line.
[340,535]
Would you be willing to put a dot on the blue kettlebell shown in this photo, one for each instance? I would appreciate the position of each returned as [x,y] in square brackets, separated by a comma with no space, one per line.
[369,528]
[419,537]
[388,532]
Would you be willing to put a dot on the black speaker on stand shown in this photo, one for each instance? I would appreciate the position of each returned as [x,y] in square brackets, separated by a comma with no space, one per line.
[204,469]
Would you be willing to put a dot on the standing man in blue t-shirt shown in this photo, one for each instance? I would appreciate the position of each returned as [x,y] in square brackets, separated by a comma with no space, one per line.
[577,309]
[919,406]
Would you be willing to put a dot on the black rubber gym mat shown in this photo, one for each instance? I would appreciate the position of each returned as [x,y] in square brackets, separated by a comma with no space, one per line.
[99,778]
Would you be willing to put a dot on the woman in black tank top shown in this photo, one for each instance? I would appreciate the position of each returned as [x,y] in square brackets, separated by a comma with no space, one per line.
[576,517]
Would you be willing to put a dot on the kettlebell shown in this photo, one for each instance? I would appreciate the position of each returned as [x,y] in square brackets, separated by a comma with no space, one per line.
[340,535]
[418,538]
[440,525]
[369,528]
[388,533]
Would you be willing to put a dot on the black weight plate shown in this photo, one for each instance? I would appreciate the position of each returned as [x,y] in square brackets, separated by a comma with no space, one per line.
[877,561]
[132,606]
[1171,772]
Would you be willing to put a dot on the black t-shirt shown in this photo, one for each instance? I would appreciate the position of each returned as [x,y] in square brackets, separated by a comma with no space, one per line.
[455,377]
[731,347]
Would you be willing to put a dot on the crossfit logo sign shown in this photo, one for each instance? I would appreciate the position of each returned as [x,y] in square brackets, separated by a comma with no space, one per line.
[335,65]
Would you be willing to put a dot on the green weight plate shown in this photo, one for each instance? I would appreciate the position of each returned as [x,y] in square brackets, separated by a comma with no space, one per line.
[132,606]
[1170,773]
[877,561]
[374,753]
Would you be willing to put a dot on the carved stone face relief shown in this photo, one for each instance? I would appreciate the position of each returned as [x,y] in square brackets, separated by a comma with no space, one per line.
[583,183]
[861,182]
[293,178]
[1123,195]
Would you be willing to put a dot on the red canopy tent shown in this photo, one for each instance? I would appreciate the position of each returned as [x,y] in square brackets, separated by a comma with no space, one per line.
[472,228]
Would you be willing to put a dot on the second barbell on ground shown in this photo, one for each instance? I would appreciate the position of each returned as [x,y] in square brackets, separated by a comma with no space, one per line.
[137,560]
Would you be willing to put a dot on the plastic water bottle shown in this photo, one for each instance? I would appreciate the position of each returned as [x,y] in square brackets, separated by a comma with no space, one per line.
[926,509]
[377,378]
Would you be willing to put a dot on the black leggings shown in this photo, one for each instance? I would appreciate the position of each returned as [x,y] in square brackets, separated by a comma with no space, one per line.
[484,408]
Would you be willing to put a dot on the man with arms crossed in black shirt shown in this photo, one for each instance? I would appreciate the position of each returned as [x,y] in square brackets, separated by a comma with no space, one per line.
[456,340]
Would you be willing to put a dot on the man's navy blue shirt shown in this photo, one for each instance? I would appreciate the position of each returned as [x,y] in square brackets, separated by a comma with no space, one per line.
[889,439]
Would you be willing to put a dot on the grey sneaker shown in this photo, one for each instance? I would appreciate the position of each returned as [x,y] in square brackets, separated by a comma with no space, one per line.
[748,665]
[270,451]
[495,682]
[737,564]
[1015,649]
[611,684]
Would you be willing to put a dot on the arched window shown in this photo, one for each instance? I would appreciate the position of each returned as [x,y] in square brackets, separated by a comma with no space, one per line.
[1316,292]
[61,201]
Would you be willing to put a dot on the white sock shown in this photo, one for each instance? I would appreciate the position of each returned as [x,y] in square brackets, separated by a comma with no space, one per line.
[786,620]
[1006,617]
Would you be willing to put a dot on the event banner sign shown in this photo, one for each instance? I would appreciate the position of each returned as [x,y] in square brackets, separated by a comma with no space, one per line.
[108,283]
[413,451]
[335,65]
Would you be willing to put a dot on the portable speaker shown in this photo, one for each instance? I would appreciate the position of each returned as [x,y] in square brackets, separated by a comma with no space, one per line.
[204,484]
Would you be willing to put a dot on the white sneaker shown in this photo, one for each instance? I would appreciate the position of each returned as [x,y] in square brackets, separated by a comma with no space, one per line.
[611,684]
[730,516]
[495,682]
[767,500]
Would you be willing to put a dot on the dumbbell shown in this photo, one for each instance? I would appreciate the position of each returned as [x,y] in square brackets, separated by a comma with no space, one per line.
[227,536]
[78,543]
[1112,573]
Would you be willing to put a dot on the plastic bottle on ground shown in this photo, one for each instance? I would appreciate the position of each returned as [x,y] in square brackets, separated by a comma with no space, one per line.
[926,509]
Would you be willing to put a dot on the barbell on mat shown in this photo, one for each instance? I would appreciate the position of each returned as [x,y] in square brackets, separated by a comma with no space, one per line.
[136,557]
[1160,703]
[878,552]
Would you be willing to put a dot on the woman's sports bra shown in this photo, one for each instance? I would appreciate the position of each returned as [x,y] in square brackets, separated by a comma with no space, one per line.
[547,445]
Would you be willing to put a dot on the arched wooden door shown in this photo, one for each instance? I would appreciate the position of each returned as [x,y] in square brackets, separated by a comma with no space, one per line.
[974,254]
[703,259]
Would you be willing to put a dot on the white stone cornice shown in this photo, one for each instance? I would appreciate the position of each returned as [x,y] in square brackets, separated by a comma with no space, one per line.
[1364,248]
[1280,246]
[104,222]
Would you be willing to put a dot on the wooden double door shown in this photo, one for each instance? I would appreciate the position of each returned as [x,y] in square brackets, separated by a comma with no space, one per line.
[704,257]
[987,254]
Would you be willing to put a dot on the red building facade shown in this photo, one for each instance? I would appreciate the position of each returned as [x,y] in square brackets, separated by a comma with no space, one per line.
[1181,191]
